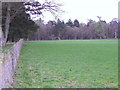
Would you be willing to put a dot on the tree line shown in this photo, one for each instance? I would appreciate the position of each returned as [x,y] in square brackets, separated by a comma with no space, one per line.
[59,30]
[17,23]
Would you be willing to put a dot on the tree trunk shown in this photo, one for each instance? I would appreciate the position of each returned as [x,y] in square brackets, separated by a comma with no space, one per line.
[115,35]
[7,24]
[1,37]
[1,33]
[59,38]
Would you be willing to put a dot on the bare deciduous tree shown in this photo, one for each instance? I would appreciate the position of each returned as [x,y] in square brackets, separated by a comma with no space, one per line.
[35,8]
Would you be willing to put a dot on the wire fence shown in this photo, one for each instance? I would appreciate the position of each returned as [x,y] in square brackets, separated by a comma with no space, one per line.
[8,64]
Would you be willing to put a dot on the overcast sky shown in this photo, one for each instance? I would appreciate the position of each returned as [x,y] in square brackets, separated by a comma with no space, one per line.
[87,9]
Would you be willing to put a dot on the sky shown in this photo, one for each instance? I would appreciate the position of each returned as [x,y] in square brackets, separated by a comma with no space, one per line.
[83,10]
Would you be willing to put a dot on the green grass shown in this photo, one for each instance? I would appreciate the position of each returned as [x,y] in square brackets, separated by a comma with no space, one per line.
[8,46]
[1,56]
[5,49]
[68,64]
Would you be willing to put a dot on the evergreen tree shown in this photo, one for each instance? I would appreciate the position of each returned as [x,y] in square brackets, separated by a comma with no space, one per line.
[21,27]
[70,23]
[76,23]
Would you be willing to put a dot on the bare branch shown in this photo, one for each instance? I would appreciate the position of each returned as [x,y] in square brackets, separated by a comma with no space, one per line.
[47,6]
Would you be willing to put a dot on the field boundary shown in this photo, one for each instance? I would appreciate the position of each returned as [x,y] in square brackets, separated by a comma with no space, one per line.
[8,64]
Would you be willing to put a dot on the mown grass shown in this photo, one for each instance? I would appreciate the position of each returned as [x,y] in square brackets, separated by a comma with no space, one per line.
[68,64]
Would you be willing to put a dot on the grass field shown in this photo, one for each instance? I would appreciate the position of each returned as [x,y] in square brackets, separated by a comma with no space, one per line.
[68,64]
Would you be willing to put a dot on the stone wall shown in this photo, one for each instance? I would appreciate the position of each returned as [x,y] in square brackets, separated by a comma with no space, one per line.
[8,64]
